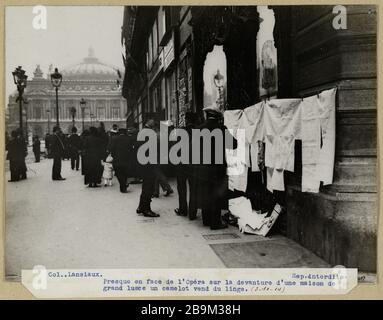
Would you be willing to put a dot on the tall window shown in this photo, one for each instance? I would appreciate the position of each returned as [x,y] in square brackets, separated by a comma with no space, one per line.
[100,113]
[161,23]
[150,52]
[115,113]
[38,112]
[155,40]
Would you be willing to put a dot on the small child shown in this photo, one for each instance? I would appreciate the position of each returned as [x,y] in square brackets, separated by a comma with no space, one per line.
[108,171]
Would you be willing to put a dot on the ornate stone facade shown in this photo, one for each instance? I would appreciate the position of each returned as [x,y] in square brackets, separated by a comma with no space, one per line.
[94,81]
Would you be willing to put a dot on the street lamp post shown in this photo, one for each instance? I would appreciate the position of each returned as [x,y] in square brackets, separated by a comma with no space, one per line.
[91,119]
[82,104]
[49,121]
[26,102]
[56,79]
[20,80]
[73,113]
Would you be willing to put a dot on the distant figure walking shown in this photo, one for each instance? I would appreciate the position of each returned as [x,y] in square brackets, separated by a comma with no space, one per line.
[57,150]
[74,144]
[36,148]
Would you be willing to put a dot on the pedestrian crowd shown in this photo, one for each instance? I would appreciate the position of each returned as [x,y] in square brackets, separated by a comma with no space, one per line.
[102,154]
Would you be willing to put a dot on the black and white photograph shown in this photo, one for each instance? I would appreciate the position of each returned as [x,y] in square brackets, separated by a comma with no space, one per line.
[190,137]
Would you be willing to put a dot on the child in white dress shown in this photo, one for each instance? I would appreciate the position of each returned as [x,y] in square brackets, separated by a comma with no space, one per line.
[107,175]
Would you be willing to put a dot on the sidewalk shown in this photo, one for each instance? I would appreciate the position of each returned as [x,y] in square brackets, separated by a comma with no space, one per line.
[64,224]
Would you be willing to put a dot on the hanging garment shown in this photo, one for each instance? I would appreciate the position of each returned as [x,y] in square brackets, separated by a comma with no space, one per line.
[325,167]
[281,129]
[236,171]
[279,152]
[238,160]
[252,121]
[282,117]
[275,179]
[318,125]
[254,157]
[232,120]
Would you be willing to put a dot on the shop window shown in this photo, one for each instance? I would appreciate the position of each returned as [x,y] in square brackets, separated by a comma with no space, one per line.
[171,99]
[214,78]
[266,53]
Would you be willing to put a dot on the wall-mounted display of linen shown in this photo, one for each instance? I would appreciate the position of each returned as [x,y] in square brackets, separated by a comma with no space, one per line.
[278,123]
[318,124]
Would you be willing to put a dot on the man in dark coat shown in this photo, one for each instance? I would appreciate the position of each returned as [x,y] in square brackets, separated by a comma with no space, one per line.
[135,173]
[185,176]
[36,148]
[148,176]
[24,147]
[122,151]
[212,178]
[57,150]
[95,152]
[15,155]
[84,136]
[74,144]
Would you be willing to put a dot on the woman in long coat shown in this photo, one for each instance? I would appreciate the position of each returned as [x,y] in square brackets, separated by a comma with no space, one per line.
[93,149]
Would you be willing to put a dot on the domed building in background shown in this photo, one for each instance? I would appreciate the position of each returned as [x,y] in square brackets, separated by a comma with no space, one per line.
[92,80]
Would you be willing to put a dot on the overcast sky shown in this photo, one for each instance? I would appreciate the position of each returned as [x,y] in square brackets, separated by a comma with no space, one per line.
[71,30]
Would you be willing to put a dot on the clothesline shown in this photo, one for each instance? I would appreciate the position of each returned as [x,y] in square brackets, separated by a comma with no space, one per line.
[278,123]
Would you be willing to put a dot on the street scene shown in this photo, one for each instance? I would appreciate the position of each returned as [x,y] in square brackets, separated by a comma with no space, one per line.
[80,228]
[191,137]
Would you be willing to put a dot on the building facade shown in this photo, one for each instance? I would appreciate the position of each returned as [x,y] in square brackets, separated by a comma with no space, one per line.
[92,80]
[283,52]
